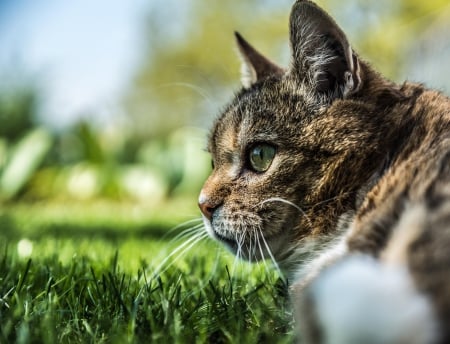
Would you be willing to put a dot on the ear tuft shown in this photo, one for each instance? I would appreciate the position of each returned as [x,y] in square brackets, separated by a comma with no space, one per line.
[322,56]
[255,66]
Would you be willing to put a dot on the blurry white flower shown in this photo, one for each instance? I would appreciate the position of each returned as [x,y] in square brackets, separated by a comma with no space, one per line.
[24,248]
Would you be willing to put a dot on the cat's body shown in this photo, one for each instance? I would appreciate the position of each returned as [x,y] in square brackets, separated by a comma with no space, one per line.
[330,170]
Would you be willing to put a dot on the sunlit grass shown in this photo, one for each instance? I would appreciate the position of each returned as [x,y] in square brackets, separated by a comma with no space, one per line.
[83,286]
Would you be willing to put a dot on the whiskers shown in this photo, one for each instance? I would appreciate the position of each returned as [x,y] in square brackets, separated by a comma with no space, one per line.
[240,241]
[269,251]
[252,247]
[190,237]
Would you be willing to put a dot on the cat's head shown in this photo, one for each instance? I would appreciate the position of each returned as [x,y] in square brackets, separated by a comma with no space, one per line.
[290,151]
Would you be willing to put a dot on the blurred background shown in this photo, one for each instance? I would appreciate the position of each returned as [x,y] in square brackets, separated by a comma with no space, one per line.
[105,105]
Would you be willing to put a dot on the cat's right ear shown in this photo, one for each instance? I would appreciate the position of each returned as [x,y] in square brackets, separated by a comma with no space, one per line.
[255,66]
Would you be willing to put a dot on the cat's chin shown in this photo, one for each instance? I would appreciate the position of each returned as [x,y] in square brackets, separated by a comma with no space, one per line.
[250,249]
[231,244]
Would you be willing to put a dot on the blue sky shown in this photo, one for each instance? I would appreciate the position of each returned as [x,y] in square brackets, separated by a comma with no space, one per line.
[82,52]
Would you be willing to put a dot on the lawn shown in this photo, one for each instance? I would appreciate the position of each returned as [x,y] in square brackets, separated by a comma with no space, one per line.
[105,272]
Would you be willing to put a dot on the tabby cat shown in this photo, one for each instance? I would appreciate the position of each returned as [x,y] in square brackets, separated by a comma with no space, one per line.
[342,177]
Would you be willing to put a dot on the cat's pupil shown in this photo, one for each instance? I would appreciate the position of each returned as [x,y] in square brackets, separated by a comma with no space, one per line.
[261,157]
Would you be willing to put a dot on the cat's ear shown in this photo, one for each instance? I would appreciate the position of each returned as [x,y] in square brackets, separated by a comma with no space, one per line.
[322,56]
[255,66]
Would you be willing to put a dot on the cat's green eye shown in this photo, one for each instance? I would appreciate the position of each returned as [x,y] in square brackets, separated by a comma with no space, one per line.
[261,157]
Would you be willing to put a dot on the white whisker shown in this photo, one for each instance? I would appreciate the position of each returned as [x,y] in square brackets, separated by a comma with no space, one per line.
[205,281]
[197,89]
[186,223]
[266,267]
[329,199]
[180,250]
[188,232]
[269,251]
[239,240]
[282,200]
[250,249]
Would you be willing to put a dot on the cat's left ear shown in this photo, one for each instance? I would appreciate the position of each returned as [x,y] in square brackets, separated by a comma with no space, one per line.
[255,66]
[322,57]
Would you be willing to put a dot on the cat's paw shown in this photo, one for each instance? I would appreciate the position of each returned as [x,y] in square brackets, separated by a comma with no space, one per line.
[360,300]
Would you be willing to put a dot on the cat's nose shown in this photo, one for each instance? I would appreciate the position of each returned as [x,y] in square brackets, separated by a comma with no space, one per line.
[206,210]
[206,207]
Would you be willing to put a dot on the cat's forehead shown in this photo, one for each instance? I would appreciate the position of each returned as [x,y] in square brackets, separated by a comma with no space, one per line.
[265,112]
[282,98]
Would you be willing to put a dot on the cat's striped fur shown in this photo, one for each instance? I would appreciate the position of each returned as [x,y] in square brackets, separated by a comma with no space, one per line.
[355,206]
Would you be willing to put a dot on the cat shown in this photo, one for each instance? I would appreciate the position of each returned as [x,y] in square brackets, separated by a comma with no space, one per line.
[342,178]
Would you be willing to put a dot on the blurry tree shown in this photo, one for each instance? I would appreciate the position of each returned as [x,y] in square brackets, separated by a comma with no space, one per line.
[191,63]
[390,28]
[81,143]
[17,111]
[191,67]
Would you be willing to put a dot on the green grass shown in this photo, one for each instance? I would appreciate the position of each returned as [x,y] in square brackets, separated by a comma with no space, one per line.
[91,279]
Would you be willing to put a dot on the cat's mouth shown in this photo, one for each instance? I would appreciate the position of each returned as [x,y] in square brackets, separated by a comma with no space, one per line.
[252,248]
[225,240]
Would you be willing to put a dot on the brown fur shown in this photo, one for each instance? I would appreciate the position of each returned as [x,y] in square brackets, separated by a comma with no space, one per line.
[349,143]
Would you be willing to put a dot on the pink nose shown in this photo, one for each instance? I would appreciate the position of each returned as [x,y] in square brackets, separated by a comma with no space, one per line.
[206,209]
[207,206]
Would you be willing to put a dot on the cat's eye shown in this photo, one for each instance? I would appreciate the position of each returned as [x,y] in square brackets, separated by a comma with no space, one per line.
[261,156]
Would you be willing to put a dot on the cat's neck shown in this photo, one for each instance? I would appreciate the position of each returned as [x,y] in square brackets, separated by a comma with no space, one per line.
[312,254]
